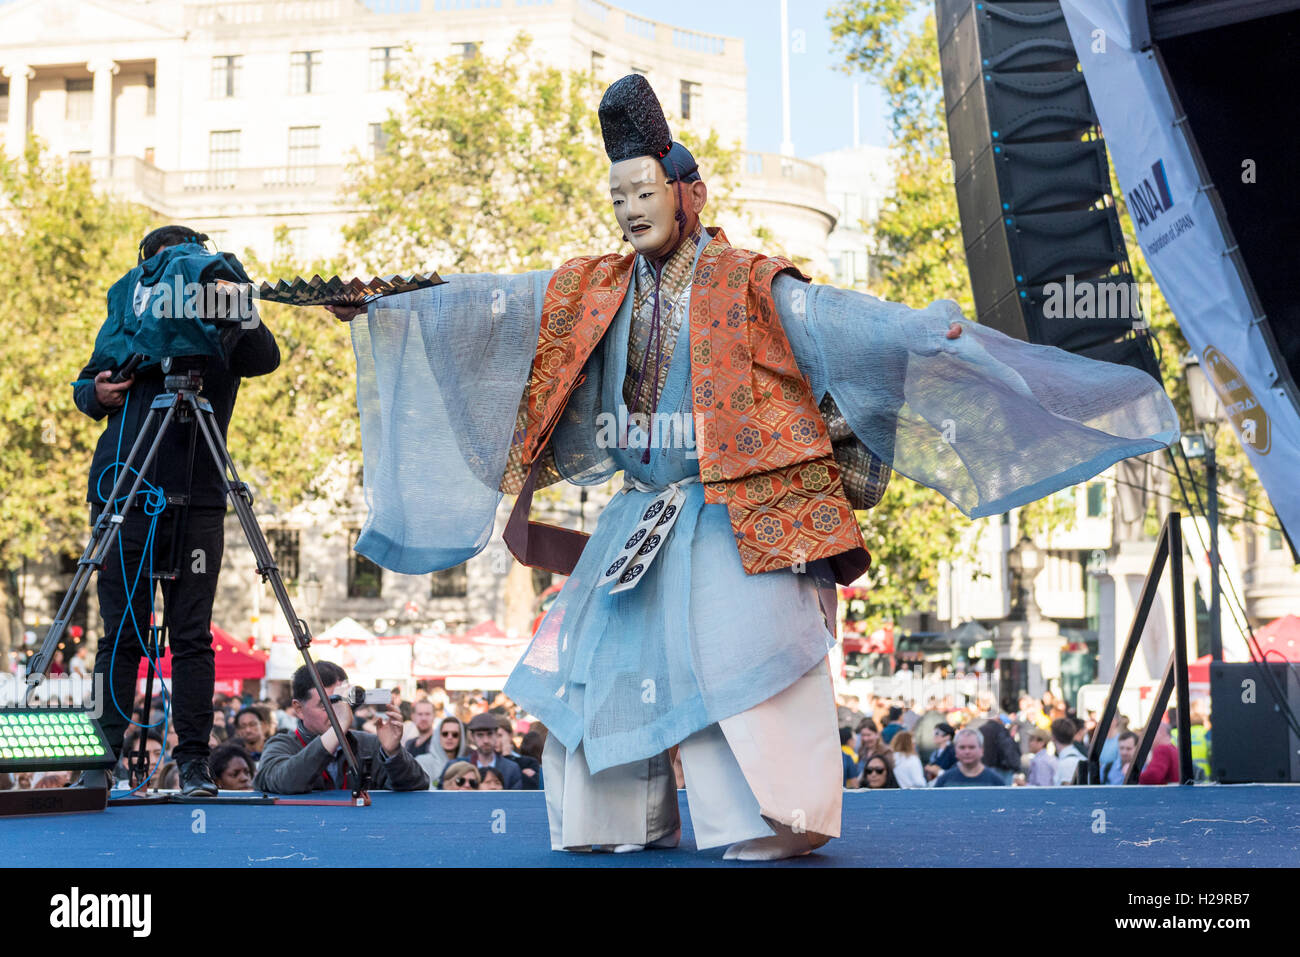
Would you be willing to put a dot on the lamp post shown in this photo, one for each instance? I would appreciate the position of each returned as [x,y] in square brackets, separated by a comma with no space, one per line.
[1207,412]
[1025,562]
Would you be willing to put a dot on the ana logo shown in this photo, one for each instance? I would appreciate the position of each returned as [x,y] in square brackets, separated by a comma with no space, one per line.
[1151,197]
[1244,411]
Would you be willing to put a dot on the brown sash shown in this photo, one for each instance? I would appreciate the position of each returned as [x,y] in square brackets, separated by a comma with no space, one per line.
[537,544]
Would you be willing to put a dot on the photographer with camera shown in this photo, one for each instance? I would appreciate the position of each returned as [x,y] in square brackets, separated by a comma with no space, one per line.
[310,758]
[188,537]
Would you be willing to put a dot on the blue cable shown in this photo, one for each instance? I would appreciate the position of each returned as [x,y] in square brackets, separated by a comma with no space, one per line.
[154,504]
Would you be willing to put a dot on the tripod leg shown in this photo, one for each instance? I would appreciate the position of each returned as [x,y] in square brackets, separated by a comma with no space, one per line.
[241,498]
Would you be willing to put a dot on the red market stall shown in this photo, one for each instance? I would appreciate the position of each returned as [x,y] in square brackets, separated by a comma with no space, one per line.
[1279,640]
[236,661]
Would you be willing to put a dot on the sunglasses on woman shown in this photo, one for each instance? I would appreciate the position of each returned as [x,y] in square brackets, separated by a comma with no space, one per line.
[875,770]
[472,782]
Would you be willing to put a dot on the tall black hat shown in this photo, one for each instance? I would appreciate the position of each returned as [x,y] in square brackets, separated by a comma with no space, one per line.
[633,124]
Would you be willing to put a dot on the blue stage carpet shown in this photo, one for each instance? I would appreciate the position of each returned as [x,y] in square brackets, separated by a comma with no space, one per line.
[1250,825]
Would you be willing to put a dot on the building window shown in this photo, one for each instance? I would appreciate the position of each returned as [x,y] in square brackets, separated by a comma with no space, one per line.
[304,153]
[467,51]
[450,583]
[150,95]
[223,157]
[641,70]
[689,92]
[284,549]
[365,578]
[1096,499]
[1275,539]
[598,64]
[378,140]
[81,100]
[4,102]
[225,76]
[383,64]
[304,71]
[79,156]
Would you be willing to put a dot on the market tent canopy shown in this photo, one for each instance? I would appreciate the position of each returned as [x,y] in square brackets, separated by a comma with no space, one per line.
[345,629]
[484,653]
[236,660]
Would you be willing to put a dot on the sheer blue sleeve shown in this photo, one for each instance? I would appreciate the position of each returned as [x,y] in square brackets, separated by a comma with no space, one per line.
[991,422]
[440,373]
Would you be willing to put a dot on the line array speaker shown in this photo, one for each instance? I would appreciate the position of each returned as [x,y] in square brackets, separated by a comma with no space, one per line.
[1043,243]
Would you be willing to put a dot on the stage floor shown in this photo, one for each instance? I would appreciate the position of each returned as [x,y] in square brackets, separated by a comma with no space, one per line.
[1245,825]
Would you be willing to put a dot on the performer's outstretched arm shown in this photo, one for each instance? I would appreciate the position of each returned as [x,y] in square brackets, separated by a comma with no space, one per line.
[991,422]
[440,373]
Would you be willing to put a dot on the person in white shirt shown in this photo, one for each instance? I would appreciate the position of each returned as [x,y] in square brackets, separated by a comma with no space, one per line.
[1067,755]
[907,763]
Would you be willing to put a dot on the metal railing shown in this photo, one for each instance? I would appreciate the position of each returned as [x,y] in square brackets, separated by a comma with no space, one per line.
[1169,549]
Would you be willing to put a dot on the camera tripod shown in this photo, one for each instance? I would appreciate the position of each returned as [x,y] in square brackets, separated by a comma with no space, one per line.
[181,402]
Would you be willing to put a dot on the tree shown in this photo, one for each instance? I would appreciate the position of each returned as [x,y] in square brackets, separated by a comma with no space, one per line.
[918,250]
[496,165]
[63,246]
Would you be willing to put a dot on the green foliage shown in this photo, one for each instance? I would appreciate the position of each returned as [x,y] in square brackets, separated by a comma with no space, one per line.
[496,165]
[918,251]
[908,534]
[63,245]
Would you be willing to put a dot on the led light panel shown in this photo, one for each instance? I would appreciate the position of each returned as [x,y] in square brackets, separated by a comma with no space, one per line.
[49,739]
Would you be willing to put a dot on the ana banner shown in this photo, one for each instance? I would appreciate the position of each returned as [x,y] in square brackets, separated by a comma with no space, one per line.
[1180,234]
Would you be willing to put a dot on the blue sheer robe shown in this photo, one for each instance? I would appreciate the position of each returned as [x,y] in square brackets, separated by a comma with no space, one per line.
[991,422]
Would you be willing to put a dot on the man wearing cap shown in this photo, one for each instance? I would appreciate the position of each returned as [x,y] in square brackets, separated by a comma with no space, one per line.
[750,414]
[483,739]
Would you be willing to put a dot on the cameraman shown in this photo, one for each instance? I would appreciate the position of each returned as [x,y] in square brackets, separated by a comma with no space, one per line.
[309,758]
[188,599]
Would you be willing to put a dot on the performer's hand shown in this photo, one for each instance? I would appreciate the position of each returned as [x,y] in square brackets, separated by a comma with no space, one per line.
[954,331]
[390,730]
[111,395]
[346,313]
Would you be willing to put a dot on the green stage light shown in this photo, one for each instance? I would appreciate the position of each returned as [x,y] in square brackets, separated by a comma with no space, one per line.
[39,739]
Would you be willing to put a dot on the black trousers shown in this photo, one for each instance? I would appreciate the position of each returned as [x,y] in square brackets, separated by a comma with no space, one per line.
[188,605]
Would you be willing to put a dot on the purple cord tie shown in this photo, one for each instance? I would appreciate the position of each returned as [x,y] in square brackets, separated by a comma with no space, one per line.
[655,335]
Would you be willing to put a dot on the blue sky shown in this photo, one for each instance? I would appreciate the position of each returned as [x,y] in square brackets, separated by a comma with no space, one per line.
[821,114]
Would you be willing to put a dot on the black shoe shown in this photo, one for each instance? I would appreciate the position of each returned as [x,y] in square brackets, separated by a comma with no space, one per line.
[102,780]
[196,779]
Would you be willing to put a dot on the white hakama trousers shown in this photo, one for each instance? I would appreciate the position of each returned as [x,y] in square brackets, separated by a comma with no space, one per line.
[779,762]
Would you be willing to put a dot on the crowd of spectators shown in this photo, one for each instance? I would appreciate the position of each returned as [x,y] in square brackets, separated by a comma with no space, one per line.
[1040,743]
[464,741]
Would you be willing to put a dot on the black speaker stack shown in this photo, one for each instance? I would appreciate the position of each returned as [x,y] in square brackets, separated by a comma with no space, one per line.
[1250,738]
[1043,242]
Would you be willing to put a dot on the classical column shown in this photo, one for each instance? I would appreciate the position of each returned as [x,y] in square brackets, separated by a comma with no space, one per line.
[102,140]
[16,132]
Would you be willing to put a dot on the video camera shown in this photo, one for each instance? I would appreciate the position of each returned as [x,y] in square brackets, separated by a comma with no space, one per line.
[357,696]
[182,301]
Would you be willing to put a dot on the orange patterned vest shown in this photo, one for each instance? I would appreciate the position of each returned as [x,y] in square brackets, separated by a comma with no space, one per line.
[763,446]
